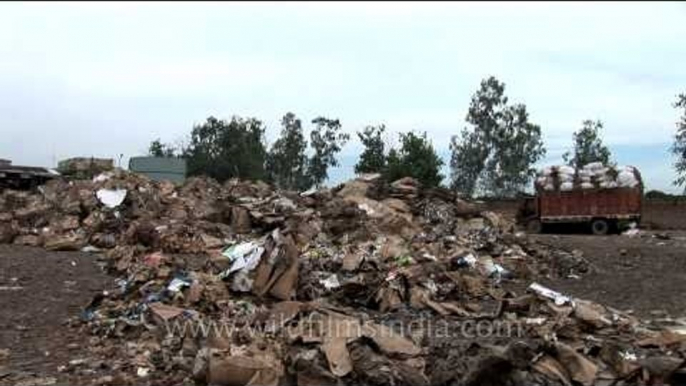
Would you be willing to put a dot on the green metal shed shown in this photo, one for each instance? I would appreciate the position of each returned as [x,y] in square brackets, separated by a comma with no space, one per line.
[160,168]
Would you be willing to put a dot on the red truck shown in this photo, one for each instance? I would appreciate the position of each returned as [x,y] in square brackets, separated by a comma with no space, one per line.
[603,209]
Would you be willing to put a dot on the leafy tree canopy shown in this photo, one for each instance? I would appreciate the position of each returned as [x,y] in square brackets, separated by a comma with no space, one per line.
[496,155]
[588,146]
[416,158]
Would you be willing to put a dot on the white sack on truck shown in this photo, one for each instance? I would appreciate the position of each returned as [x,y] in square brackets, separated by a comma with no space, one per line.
[591,176]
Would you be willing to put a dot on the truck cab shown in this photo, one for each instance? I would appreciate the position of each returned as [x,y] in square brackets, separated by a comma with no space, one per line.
[527,214]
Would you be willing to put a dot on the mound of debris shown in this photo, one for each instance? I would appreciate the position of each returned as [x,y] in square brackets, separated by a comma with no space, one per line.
[366,283]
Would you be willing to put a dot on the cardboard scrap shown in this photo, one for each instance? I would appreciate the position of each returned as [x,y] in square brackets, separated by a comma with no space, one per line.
[282,313]
[552,369]
[352,261]
[579,367]
[389,341]
[663,338]
[165,312]
[591,313]
[277,274]
[338,356]
[241,370]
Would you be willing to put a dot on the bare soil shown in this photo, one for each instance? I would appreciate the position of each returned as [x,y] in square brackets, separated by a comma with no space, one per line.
[646,274]
[39,292]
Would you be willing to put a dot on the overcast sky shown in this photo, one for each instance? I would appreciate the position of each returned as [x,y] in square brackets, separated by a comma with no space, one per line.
[103,79]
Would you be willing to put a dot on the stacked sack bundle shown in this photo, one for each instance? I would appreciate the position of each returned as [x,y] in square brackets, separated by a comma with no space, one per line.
[591,176]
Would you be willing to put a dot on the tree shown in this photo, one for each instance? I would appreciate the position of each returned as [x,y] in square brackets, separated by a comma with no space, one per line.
[588,146]
[679,145]
[517,147]
[467,161]
[227,149]
[498,153]
[286,161]
[159,149]
[326,141]
[416,158]
[372,159]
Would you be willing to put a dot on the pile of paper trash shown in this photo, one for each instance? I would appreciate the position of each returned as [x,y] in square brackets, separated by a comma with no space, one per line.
[370,282]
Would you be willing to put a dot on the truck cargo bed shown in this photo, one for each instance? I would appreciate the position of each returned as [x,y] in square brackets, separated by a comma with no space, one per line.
[583,205]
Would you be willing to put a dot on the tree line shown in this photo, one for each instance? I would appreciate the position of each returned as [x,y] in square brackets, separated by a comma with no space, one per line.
[493,155]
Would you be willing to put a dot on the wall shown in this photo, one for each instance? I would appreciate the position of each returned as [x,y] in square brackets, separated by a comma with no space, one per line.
[160,168]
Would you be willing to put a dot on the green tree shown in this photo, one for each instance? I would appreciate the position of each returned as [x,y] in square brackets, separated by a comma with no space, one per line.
[373,158]
[497,154]
[679,145]
[227,149]
[588,146]
[326,141]
[416,158]
[286,162]
[159,149]
[467,160]
[518,146]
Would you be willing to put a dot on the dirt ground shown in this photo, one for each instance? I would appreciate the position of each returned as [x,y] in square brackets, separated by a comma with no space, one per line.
[40,291]
[646,274]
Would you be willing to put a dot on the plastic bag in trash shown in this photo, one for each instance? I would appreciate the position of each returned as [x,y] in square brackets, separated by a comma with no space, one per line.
[177,284]
[111,198]
[243,256]
[545,292]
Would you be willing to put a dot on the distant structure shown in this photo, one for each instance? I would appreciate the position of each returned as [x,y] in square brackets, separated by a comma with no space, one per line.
[22,177]
[160,168]
[84,167]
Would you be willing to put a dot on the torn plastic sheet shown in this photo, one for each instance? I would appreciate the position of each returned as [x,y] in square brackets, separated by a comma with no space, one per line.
[142,372]
[493,269]
[244,256]
[90,249]
[628,356]
[123,284]
[330,282]
[111,198]
[89,312]
[556,297]
[177,284]
[467,261]
[309,192]
[632,231]
[103,177]
[367,209]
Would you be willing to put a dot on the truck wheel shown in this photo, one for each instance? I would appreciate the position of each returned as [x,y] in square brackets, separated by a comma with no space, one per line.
[534,226]
[600,227]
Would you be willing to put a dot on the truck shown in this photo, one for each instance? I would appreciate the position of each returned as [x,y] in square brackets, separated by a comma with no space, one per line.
[603,209]
[23,177]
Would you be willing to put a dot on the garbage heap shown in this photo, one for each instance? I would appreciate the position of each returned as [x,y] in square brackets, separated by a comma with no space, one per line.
[366,283]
